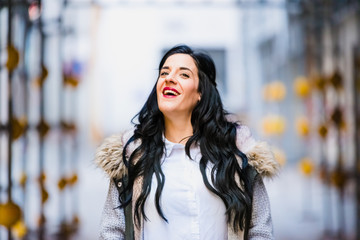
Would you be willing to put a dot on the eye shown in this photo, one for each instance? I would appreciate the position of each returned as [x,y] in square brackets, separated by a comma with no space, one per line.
[185,75]
[164,73]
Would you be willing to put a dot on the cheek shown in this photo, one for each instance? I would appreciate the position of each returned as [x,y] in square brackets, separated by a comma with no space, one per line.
[193,93]
[195,90]
[158,86]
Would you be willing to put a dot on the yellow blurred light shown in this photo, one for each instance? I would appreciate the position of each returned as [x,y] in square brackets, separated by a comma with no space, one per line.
[302,126]
[273,125]
[19,229]
[10,213]
[278,91]
[302,86]
[274,91]
[306,166]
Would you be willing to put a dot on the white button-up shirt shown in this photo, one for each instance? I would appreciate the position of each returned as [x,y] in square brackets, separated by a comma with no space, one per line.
[192,211]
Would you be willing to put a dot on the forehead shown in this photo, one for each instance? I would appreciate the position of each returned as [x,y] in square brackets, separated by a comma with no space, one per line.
[180,60]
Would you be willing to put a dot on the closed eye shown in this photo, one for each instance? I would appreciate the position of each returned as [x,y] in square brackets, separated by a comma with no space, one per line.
[185,75]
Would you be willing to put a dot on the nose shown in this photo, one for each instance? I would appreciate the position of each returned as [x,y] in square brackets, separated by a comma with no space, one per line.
[170,79]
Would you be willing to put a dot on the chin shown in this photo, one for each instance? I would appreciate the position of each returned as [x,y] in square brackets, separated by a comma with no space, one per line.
[167,110]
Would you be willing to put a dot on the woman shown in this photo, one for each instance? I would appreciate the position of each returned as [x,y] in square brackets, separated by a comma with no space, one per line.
[185,171]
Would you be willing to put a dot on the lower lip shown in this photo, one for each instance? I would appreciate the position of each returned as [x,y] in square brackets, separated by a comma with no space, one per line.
[169,96]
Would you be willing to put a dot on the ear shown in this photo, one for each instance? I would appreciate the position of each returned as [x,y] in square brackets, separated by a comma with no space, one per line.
[199,97]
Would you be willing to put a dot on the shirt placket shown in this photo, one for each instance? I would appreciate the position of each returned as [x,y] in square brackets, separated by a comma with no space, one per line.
[192,199]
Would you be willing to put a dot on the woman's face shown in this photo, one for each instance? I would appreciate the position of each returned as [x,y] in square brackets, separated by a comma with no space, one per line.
[177,86]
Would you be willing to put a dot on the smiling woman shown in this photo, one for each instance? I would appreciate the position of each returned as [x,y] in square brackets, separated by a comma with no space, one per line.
[177,93]
[185,171]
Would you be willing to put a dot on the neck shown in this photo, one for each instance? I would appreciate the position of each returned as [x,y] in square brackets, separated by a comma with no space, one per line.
[178,130]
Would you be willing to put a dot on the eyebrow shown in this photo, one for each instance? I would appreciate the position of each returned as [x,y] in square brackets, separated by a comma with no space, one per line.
[181,68]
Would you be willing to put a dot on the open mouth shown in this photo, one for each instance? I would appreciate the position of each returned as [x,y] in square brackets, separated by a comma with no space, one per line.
[170,92]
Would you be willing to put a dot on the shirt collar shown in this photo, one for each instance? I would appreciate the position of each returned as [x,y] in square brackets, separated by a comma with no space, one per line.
[170,146]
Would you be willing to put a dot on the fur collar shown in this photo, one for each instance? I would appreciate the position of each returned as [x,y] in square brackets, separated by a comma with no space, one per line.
[262,159]
[109,156]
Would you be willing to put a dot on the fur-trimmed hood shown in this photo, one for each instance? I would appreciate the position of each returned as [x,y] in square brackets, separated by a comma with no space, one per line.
[109,154]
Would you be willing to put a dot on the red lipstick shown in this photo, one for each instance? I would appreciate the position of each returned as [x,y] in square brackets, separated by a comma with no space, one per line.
[170,92]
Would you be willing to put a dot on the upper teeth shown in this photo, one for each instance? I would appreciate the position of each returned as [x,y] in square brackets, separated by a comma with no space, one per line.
[170,92]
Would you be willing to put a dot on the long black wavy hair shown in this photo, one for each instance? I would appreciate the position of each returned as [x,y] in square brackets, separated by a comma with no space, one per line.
[216,137]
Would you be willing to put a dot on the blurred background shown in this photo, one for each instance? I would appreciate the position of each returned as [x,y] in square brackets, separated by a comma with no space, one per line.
[75,71]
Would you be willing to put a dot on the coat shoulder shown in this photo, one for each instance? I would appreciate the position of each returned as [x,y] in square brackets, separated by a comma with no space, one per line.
[259,153]
[108,155]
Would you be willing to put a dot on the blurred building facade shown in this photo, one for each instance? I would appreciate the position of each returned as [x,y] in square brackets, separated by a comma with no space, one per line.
[73,72]
[330,36]
[307,68]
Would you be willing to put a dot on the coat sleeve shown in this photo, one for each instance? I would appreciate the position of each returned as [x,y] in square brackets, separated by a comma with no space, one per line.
[261,158]
[244,138]
[112,225]
[261,226]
